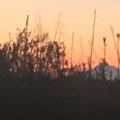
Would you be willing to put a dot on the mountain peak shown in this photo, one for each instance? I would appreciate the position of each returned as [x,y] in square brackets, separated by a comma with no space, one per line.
[105,70]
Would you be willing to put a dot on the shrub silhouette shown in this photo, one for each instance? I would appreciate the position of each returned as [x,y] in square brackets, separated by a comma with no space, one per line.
[28,55]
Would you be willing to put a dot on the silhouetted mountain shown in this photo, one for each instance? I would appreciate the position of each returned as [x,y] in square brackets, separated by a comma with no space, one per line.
[106,70]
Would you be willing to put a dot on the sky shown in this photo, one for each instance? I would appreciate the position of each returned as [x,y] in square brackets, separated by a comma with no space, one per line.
[77,17]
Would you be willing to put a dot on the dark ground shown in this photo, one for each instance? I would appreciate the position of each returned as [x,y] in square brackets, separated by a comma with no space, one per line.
[68,99]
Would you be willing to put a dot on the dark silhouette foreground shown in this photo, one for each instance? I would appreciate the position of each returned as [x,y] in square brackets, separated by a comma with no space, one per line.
[66,99]
[37,82]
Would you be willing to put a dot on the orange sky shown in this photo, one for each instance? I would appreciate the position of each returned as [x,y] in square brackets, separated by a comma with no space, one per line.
[77,17]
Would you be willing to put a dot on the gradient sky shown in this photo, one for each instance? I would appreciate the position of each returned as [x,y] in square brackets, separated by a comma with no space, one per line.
[77,17]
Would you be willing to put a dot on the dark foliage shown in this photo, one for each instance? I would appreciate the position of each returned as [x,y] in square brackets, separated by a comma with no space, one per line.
[68,98]
[37,82]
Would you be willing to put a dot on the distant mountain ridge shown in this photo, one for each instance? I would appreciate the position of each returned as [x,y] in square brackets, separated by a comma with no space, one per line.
[103,69]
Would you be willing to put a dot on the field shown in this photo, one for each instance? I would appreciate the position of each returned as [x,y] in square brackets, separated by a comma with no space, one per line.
[64,98]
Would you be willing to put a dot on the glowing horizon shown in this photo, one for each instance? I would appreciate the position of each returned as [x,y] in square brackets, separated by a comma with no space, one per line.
[77,18]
